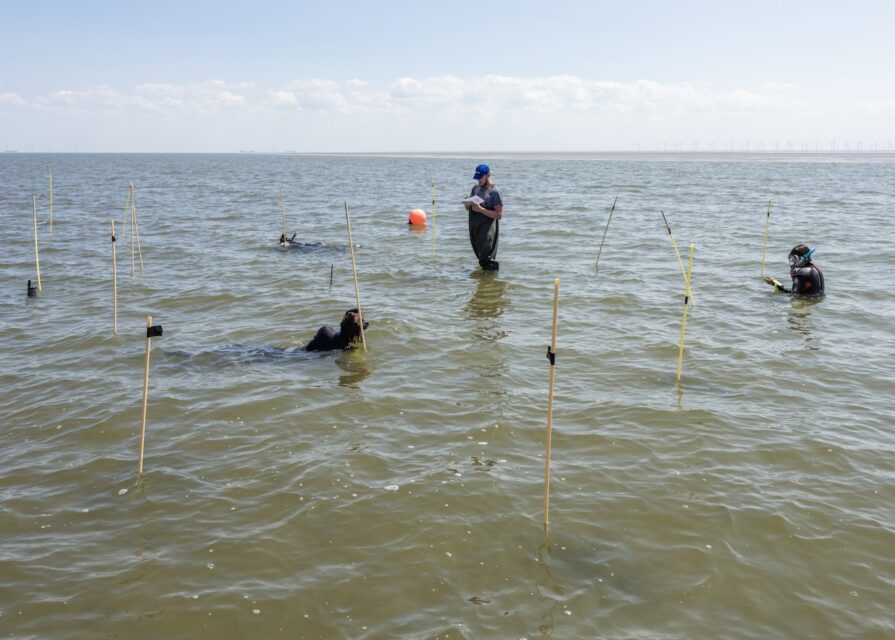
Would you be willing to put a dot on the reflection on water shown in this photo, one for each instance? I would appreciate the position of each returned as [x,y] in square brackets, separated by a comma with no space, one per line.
[800,321]
[545,587]
[356,365]
[489,299]
[484,309]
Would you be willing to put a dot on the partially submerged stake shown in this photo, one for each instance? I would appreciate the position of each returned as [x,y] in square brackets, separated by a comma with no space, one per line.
[363,339]
[331,267]
[677,254]
[51,202]
[680,353]
[433,219]
[597,265]
[151,332]
[114,285]
[36,252]
[551,355]
[764,246]
[283,213]
[135,233]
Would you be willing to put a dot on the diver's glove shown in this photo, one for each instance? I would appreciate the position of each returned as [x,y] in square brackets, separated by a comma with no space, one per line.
[778,286]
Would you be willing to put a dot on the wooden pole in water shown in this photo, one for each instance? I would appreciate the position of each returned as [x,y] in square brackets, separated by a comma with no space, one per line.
[597,265]
[677,254]
[131,215]
[363,338]
[135,233]
[551,355]
[127,212]
[51,202]
[764,246]
[680,353]
[145,395]
[331,267]
[433,219]
[114,285]
[283,213]
[36,252]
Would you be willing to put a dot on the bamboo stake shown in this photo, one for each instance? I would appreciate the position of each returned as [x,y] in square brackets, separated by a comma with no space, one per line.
[764,246]
[680,353]
[127,213]
[114,285]
[331,267]
[283,213]
[36,253]
[51,202]
[597,265]
[135,229]
[433,219]
[551,355]
[677,253]
[363,338]
[145,394]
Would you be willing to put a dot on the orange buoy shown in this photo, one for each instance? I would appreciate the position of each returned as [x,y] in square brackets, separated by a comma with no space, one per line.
[417,217]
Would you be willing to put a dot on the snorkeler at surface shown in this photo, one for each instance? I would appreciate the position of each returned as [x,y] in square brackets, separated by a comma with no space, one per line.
[284,241]
[807,278]
[328,338]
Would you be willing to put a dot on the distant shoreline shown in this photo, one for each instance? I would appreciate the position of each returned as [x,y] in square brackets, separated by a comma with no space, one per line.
[654,156]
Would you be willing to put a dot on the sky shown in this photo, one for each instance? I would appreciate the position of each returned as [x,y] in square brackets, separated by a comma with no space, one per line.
[446,76]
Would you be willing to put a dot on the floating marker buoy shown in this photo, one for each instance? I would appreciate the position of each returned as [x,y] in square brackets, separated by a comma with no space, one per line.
[416,217]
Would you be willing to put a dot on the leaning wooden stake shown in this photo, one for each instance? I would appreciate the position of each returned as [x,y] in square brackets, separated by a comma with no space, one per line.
[36,252]
[680,353]
[51,202]
[135,233]
[363,339]
[599,253]
[283,213]
[114,285]
[764,246]
[145,392]
[127,212]
[433,219]
[551,355]
[677,254]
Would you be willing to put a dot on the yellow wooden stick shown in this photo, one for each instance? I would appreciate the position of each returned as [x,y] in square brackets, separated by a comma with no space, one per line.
[680,353]
[36,252]
[433,219]
[51,202]
[677,255]
[145,394]
[551,355]
[363,338]
[135,229]
[114,285]
[283,213]
[764,246]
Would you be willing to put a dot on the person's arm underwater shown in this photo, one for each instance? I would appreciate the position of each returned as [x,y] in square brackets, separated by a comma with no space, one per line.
[778,286]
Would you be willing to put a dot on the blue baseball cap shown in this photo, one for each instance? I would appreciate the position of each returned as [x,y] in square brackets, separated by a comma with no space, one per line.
[480,171]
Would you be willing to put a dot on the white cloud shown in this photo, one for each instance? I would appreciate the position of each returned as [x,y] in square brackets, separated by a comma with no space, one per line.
[480,96]
[14,99]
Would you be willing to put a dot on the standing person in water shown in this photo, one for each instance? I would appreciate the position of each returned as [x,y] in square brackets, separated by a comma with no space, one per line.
[807,278]
[484,227]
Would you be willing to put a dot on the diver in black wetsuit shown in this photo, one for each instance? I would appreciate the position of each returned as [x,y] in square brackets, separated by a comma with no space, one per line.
[328,338]
[807,278]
